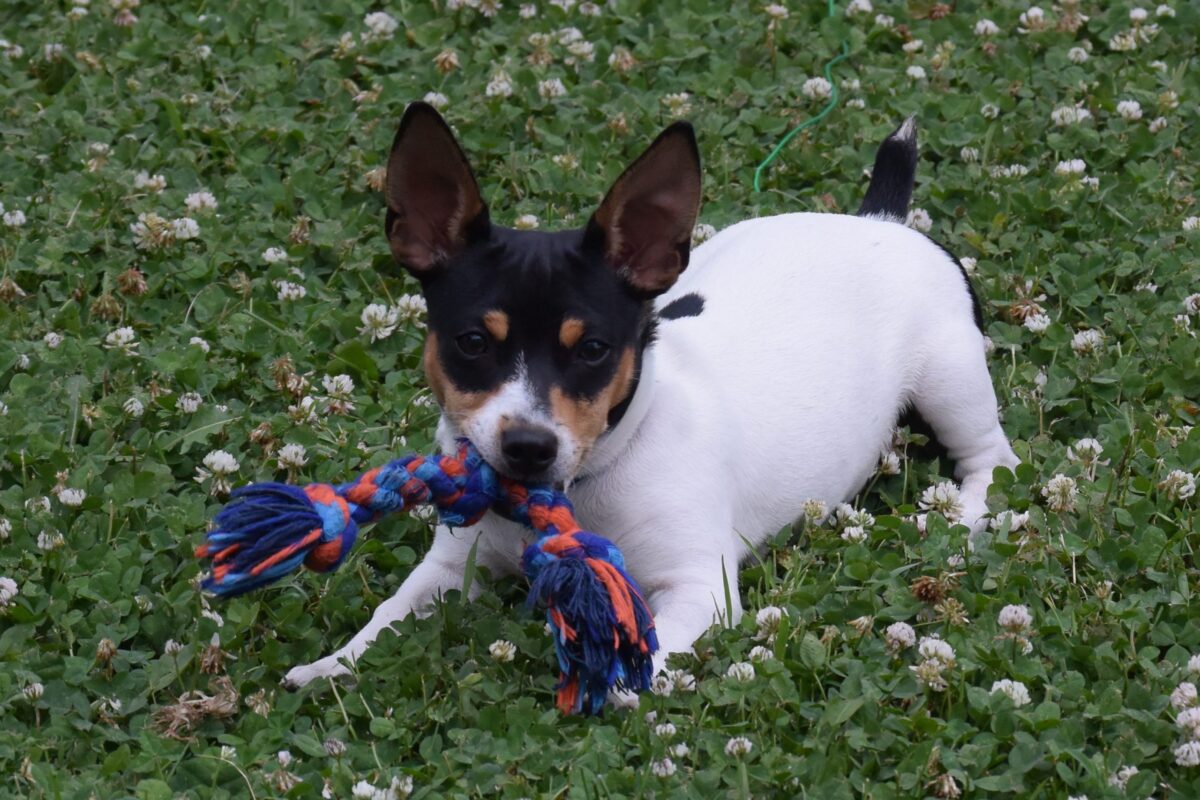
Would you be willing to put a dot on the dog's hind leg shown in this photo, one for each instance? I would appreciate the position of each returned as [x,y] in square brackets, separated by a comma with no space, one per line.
[955,395]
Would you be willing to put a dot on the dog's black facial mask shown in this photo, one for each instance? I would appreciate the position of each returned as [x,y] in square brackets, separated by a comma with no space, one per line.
[536,336]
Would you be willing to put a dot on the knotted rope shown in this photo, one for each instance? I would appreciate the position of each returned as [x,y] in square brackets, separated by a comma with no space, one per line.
[603,630]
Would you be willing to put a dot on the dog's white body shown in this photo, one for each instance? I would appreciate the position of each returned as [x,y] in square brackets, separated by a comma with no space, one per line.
[817,331]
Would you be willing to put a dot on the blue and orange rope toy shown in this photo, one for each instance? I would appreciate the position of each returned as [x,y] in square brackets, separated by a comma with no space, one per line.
[603,630]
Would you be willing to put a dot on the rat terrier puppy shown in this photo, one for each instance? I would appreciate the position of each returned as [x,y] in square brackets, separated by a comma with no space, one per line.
[690,413]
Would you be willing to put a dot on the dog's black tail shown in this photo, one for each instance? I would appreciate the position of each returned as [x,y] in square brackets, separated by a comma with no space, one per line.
[891,185]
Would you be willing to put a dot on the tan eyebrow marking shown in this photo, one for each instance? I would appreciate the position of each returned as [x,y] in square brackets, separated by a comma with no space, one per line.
[496,322]
[571,332]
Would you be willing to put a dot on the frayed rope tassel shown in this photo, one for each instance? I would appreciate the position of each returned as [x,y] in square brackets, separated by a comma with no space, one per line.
[603,630]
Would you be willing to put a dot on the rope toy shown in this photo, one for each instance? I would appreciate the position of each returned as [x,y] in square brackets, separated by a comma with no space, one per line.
[603,630]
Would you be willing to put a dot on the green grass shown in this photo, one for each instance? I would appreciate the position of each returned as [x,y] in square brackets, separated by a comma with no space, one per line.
[283,129]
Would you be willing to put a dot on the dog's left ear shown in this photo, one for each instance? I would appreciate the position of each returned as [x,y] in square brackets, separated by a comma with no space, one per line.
[645,223]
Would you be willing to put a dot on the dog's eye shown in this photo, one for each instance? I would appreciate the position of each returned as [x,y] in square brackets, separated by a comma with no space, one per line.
[593,351]
[472,344]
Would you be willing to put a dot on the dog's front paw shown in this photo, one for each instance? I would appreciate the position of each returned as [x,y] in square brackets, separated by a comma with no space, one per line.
[328,667]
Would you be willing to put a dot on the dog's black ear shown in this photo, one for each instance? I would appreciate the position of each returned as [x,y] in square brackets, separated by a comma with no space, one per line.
[645,223]
[434,206]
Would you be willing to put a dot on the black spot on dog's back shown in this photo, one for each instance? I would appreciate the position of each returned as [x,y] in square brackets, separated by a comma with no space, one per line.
[690,305]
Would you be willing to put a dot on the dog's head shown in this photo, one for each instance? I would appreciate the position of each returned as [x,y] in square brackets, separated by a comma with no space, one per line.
[535,338]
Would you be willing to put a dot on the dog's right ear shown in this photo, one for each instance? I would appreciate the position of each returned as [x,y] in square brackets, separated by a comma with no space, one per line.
[434,206]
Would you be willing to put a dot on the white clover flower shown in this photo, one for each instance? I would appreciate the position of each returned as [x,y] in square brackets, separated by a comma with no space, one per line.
[776,11]
[1088,341]
[172,648]
[856,102]
[1071,168]
[1130,110]
[1191,224]
[856,7]
[1033,20]
[292,456]
[72,498]
[740,671]
[1085,451]
[526,222]
[702,233]
[581,52]
[985,28]
[284,757]
[1158,124]
[499,85]
[1164,11]
[738,746]
[189,402]
[551,88]
[221,462]
[1015,618]
[200,202]
[681,680]
[122,339]
[274,255]
[854,533]
[411,308]
[338,385]
[919,219]
[203,52]
[33,691]
[8,590]
[899,636]
[1123,42]
[185,228]
[380,26]
[197,341]
[915,72]
[944,498]
[989,110]
[767,619]
[1037,323]
[488,8]
[1178,485]
[1184,695]
[665,730]
[1016,691]
[502,650]
[1060,493]
[969,154]
[1138,15]
[889,463]
[288,291]
[5,529]
[848,515]
[1188,721]
[35,504]
[912,46]
[589,9]
[759,654]
[151,232]
[364,791]
[930,674]
[49,540]
[133,407]
[1191,303]
[677,103]
[663,768]
[379,321]
[662,686]
[816,89]
[1077,55]
[933,648]
[815,511]
[1069,115]
[14,218]
[885,21]
[77,13]
[1188,754]
[151,183]
[679,750]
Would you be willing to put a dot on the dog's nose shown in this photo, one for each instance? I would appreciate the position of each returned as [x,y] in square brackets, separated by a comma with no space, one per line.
[528,449]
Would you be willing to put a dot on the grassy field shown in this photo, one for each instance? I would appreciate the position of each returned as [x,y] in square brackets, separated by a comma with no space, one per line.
[146,325]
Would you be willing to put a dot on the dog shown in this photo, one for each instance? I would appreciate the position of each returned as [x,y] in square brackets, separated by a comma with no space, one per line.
[690,402]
